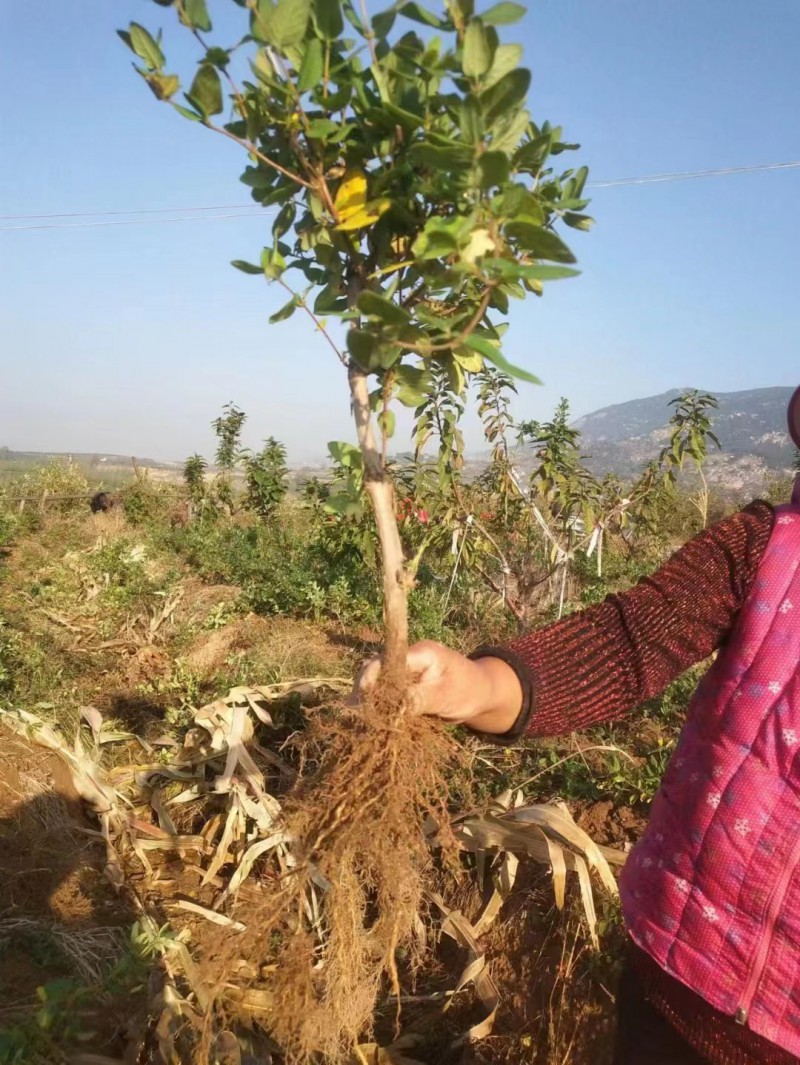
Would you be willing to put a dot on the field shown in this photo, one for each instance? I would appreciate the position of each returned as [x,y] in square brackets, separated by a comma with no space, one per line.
[159,677]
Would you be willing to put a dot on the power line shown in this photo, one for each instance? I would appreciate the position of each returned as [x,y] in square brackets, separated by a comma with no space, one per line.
[687,175]
[133,221]
[198,214]
[107,214]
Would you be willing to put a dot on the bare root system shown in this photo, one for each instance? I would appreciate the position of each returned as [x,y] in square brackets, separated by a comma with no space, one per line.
[349,909]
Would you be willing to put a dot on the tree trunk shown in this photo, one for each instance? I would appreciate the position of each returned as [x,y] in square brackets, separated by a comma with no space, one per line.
[381,493]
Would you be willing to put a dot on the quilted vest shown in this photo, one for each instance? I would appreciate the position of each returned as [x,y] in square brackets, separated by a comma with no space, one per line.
[712,890]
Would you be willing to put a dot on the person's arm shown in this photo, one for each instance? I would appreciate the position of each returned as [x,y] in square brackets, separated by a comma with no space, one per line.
[596,665]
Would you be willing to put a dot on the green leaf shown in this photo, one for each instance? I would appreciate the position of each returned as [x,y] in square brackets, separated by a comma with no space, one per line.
[386,422]
[321,128]
[409,396]
[313,66]
[145,46]
[164,86]
[544,272]
[505,94]
[506,134]
[272,263]
[186,112]
[362,346]
[494,355]
[286,311]
[328,19]
[494,169]
[195,14]
[247,268]
[435,156]
[375,305]
[503,14]
[345,454]
[472,128]
[284,220]
[218,57]
[506,58]
[477,57]
[541,243]
[413,384]
[382,23]
[583,222]
[206,91]
[421,14]
[281,24]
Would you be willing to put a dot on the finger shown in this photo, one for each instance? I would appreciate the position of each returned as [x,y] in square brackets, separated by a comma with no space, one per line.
[421,659]
[366,679]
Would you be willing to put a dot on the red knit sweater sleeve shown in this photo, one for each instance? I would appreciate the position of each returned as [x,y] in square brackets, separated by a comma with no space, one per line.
[596,665]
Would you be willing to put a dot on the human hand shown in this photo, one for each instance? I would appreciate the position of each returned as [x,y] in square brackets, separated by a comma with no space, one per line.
[483,694]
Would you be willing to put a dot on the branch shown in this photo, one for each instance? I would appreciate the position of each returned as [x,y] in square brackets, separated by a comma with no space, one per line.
[516,609]
[317,321]
[369,34]
[463,336]
[259,154]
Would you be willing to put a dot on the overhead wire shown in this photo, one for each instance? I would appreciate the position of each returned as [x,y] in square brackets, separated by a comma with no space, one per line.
[198,214]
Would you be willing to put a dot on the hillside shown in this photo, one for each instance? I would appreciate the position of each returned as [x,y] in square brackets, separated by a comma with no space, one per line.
[751,426]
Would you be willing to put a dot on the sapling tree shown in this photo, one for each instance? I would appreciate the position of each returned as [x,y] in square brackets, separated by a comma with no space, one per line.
[266,477]
[559,477]
[411,198]
[689,438]
[194,473]
[228,430]
[411,195]
[494,410]
[438,416]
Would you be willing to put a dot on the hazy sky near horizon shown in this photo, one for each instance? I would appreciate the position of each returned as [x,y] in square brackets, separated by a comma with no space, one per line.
[130,338]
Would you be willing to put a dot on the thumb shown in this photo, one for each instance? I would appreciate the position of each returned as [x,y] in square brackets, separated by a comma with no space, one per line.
[423,658]
[367,678]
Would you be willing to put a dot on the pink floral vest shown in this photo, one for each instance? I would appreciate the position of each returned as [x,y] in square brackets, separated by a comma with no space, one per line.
[712,891]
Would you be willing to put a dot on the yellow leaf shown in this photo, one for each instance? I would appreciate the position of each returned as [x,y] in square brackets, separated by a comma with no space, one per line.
[392,269]
[480,243]
[351,196]
[468,360]
[364,216]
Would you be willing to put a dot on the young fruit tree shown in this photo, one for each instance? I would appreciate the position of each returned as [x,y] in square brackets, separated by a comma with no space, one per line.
[412,198]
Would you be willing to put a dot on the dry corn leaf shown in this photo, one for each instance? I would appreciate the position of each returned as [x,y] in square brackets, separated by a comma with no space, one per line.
[373,1054]
[210,915]
[587,898]
[457,926]
[559,868]
[234,828]
[173,843]
[250,856]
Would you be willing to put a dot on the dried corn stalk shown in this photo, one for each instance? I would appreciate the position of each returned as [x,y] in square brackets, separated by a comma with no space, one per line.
[549,835]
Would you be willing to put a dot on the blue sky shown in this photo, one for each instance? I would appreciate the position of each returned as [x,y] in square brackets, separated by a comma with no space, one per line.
[130,338]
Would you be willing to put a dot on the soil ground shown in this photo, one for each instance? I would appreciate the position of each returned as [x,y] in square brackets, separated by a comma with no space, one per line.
[60,920]
[61,923]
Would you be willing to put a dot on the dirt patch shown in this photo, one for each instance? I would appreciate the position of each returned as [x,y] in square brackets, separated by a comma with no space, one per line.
[146,665]
[59,917]
[610,825]
[200,599]
[557,1003]
[282,646]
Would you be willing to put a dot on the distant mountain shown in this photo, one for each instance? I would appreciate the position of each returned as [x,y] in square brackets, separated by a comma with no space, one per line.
[82,458]
[751,427]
